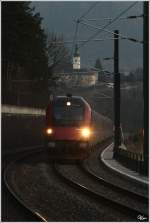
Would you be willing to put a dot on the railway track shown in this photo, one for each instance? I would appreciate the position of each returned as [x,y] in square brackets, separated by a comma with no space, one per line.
[28,214]
[121,208]
[98,168]
[140,198]
[133,213]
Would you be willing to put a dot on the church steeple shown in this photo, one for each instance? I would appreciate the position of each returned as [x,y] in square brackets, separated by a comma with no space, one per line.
[76,52]
[76,58]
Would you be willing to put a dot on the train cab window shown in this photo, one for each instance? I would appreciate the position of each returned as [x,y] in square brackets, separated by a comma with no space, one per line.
[68,115]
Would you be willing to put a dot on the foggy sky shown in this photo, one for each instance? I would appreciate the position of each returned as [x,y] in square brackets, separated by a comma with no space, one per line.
[58,17]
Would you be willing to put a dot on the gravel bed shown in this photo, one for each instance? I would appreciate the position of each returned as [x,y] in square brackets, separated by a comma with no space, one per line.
[45,193]
[11,210]
[99,169]
[75,173]
[16,135]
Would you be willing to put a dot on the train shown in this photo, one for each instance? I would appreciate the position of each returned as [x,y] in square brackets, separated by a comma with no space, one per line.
[68,128]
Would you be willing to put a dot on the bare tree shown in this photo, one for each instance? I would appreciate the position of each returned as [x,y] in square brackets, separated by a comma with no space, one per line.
[58,54]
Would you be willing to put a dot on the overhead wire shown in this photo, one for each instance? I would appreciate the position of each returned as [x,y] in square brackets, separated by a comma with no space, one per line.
[92,6]
[109,23]
[121,18]
[84,40]
[77,25]
[111,32]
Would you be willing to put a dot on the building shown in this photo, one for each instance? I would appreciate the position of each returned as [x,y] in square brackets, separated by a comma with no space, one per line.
[81,78]
[76,59]
[77,76]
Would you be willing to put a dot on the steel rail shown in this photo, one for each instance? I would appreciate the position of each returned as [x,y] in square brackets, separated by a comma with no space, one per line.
[22,153]
[11,190]
[133,213]
[112,186]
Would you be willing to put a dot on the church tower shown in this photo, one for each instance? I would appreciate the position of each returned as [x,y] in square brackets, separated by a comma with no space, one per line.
[76,59]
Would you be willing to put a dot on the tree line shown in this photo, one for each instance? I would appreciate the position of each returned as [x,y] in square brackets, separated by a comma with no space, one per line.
[28,52]
[23,42]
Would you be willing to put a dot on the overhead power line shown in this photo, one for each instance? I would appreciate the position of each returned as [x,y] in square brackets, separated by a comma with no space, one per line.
[82,40]
[121,18]
[77,25]
[109,23]
[111,32]
[96,40]
[91,7]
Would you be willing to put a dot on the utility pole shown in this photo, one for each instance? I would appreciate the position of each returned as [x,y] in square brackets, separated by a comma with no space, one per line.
[117,138]
[145,83]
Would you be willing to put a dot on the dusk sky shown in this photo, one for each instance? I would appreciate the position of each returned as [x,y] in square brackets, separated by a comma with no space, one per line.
[59,17]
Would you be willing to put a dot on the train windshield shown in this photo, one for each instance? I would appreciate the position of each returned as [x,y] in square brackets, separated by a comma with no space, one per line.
[68,113]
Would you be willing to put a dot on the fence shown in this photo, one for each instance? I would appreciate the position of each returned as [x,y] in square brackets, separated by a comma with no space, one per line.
[132,160]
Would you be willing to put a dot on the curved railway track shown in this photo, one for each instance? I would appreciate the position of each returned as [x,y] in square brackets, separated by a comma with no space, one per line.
[31,214]
[140,198]
[97,167]
[119,206]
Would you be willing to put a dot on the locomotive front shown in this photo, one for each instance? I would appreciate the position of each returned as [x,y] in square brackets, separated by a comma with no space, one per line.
[68,125]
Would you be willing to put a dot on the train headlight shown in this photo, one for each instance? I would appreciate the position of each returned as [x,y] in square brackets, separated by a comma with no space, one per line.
[68,103]
[49,131]
[85,132]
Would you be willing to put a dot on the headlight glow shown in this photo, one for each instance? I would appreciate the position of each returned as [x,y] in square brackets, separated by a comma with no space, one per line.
[85,132]
[68,103]
[49,131]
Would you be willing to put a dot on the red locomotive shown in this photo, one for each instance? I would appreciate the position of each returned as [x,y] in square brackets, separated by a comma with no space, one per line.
[68,124]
